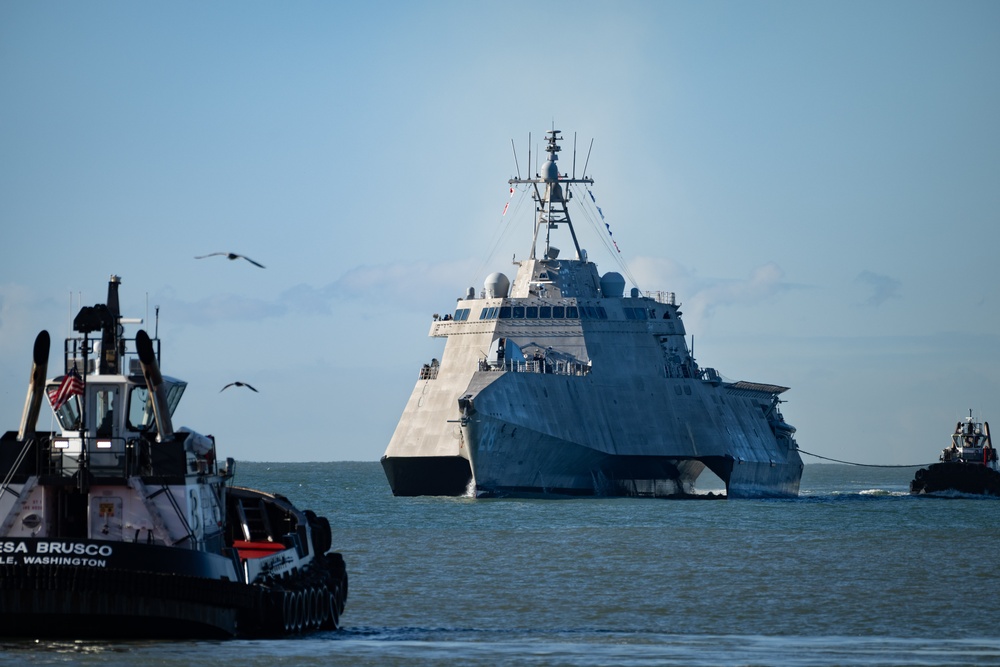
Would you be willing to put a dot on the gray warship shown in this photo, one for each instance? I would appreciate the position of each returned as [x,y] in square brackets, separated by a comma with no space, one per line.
[559,384]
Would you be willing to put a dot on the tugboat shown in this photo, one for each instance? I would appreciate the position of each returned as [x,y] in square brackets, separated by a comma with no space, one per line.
[968,466]
[118,525]
[561,384]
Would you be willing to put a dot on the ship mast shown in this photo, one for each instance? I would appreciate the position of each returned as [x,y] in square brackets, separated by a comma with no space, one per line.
[551,198]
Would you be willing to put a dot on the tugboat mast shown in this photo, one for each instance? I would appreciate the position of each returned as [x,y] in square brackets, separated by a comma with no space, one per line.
[551,205]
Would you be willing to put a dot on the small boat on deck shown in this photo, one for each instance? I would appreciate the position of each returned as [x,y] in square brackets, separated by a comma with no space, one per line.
[967,466]
[117,525]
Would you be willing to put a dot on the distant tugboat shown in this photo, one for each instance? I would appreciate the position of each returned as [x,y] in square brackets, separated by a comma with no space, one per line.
[561,383]
[120,526]
[969,465]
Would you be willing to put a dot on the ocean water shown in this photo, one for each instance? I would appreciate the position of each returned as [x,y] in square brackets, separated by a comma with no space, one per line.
[853,572]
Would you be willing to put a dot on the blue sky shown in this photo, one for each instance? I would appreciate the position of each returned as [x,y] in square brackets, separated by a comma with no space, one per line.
[816,182]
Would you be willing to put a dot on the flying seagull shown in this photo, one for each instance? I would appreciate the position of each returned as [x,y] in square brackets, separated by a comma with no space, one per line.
[237,384]
[231,255]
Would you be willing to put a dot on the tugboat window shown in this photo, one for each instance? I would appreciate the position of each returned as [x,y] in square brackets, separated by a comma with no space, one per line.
[175,389]
[68,413]
[140,409]
[105,411]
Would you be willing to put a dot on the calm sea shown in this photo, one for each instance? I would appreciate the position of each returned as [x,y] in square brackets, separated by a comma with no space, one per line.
[854,572]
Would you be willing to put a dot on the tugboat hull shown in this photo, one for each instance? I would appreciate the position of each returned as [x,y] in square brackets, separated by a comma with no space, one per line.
[968,466]
[104,590]
[956,477]
[119,525]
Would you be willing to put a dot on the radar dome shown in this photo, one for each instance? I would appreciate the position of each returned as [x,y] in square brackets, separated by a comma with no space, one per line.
[550,171]
[612,285]
[496,286]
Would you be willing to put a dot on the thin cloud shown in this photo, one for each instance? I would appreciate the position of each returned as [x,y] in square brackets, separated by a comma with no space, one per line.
[405,285]
[704,296]
[882,287]
[221,307]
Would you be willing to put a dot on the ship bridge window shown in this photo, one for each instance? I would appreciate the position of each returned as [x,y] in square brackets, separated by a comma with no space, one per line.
[106,402]
[558,312]
[140,409]
[68,413]
[461,314]
[572,312]
[175,389]
[504,312]
[635,313]
[601,313]
[545,312]
[489,313]
[531,312]
[517,312]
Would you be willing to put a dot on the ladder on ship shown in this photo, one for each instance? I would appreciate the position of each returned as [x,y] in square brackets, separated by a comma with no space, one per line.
[253,518]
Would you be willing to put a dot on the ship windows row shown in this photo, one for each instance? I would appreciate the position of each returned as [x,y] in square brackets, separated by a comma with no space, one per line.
[543,313]
[638,314]
[530,313]
[553,313]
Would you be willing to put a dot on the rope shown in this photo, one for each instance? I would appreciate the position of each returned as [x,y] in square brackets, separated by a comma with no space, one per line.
[865,465]
[500,233]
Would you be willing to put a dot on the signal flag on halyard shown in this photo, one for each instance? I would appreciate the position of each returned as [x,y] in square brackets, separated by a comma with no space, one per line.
[593,199]
[508,202]
[72,385]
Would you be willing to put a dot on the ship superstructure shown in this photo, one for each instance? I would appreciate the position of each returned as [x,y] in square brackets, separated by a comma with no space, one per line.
[559,383]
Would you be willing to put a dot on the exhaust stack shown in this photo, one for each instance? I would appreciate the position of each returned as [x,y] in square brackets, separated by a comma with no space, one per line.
[154,382]
[36,385]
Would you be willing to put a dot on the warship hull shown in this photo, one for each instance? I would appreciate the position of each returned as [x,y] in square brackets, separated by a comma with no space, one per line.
[643,440]
[561,384]
[428,475]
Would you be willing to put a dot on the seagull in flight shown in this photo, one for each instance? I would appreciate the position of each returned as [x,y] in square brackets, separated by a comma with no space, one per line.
[231,255]
[237,384]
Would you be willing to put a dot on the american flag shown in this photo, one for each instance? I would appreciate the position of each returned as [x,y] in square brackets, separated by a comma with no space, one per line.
[72,385]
